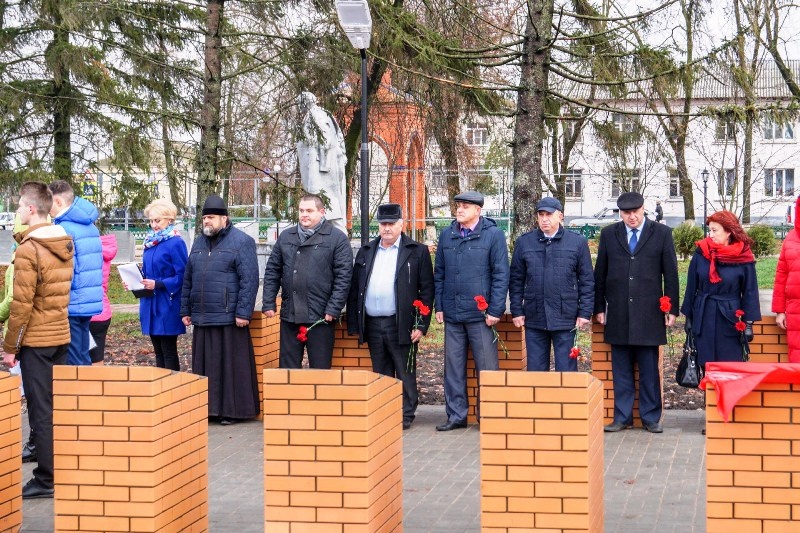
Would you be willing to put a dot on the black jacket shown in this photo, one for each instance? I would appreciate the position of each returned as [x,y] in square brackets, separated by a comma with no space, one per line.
[551,280]
[313,276]
[413,281]
[628,286]
[221,279]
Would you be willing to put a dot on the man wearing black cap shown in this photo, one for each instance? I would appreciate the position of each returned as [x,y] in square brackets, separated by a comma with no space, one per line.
[389,275]
[218,297]
[551,290]
[311,264]
[636,265]
[471,261]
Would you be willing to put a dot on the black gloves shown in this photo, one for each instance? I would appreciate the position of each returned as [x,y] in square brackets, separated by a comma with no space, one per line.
[748,332]
[687,327]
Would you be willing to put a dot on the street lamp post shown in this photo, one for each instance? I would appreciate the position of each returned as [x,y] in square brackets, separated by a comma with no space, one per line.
[705,201]
[357,25]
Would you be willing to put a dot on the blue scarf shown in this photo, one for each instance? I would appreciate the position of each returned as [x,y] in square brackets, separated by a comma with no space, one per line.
[155,237]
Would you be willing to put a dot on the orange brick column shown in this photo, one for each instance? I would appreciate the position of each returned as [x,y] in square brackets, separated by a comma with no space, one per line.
[541,452]
[265,333]
[752,462]
[769,342]
[601,369]
[10,453]
[333,451]
[131,449]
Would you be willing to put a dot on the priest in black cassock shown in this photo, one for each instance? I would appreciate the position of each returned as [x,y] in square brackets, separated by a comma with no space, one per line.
[219,294]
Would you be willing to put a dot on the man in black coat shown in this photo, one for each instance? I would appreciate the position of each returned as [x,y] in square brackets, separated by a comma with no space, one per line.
[636,265]
[390,274]
[311,264]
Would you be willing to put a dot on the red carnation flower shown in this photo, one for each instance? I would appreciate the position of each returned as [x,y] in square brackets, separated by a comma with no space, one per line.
[574,352]
[424,310]
[481,301]
[418,304]
[665,303]
[740,326]
[302,334]
[739,313]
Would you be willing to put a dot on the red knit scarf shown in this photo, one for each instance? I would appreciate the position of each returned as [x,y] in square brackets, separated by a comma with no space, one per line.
[734,253]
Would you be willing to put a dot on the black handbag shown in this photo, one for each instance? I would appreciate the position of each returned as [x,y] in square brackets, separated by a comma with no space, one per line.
[689,373]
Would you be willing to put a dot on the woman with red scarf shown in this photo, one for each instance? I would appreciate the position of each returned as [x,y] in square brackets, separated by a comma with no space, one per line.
[722,284]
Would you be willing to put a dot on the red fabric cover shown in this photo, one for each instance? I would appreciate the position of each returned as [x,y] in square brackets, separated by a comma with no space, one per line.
[786,291]
[734,381]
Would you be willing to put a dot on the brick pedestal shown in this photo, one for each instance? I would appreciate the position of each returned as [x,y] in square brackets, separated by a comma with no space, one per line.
[266,335]
[601,369]
[131,449]
[333,453]
[752,462]
[541,452]
[10,452]
[769,342]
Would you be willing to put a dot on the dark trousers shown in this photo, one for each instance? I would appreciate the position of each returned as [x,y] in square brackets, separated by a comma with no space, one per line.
[645,358]
[390,358]
[458,337]
[166,348]
[37,377]
[537,346]
[99,330]
[319,345]
[79,341]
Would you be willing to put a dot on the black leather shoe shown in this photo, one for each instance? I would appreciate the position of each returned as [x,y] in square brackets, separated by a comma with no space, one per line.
[224,421]
[616,426]
[406,424]
[34,489]
[29,453]
[654,428]
[449,426]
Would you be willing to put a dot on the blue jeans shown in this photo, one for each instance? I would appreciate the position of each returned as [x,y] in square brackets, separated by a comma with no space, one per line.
[458,336]
[537,345]
[78,353]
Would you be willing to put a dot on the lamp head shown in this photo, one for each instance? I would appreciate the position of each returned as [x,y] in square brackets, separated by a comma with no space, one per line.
[705,175]
[356,21]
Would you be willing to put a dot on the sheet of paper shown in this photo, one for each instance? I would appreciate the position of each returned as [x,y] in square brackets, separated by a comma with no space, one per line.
[131,276]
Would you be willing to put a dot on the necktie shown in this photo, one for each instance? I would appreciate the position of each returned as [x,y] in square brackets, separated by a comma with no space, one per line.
[465,232]
[633,241]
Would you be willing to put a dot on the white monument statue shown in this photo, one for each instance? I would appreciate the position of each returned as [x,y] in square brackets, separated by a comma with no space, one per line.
[321,155]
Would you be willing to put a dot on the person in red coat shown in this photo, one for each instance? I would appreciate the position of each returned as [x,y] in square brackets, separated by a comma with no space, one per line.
[786,291]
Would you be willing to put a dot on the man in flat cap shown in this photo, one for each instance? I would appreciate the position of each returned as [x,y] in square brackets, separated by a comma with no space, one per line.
[311,264]
[471,261]
[636,265]
[218,297]
[390,274]
[551,290]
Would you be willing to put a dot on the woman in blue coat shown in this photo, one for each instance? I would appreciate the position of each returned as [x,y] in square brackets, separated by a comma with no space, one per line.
[164,263]
[722,285]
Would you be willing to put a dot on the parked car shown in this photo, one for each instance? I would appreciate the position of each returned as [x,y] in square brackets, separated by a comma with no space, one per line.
[604,217]
[7,220]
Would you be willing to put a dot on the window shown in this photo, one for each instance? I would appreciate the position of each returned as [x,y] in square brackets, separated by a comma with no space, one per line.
[625,181]
[774,130]
[477,135]
[573,184]
[726,179]
[623,123]
[779,182]
[674,184]
[726,129]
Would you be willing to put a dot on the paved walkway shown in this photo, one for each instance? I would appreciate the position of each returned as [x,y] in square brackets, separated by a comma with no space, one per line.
[652,482]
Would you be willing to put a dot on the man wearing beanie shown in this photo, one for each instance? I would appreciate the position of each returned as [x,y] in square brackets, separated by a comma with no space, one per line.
[311,264]
[218,297]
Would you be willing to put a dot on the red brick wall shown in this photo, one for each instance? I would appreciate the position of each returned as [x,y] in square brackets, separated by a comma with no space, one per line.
[10,453]
[333,451]
[131,449]
[753,462]
[541,452]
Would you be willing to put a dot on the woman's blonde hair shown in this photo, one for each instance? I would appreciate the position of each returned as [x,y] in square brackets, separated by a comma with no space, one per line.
[161,208]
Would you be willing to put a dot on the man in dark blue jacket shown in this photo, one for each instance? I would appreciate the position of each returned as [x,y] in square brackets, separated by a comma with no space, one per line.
[551,289]
[471,261]
[218,298]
